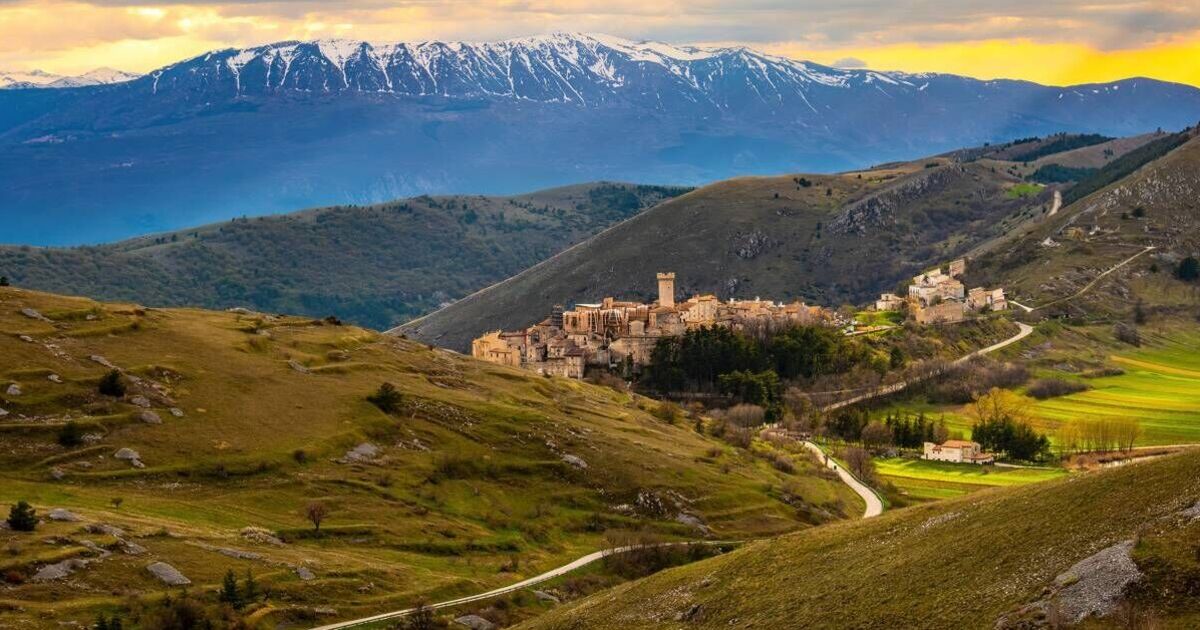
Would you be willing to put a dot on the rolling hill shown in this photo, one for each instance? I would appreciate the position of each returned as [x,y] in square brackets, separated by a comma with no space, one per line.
[232,422]
[309,123]
[374,266]
[1120,541]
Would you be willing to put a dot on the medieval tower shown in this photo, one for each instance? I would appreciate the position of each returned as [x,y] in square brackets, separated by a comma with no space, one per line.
[666,289]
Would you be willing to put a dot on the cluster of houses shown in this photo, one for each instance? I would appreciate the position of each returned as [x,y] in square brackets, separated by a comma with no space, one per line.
[614,333]
[940,297]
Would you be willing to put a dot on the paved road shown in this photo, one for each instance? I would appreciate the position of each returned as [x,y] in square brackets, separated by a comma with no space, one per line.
[1025,331]
[533,581]
[874,503]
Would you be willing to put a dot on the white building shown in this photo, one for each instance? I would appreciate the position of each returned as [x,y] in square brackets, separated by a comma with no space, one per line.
[958,452]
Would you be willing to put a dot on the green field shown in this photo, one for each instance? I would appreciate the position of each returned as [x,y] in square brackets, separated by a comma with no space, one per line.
[923,480]
[1023,190]
[1160,387]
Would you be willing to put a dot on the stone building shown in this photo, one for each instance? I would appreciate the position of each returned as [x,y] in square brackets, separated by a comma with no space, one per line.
[935,297]
[957,451]
[614,333]
[889,302]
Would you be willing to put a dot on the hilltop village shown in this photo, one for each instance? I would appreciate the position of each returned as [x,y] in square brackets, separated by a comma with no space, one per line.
[613,332]
[937,297]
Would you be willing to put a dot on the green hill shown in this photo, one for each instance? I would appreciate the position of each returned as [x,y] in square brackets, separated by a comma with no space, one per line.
[961,563]
[236,421]
[375,265]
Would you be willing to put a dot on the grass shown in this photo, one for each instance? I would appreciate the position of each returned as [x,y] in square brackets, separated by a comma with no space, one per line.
[1022,190]
[957,563]
[925,480]
[470,472]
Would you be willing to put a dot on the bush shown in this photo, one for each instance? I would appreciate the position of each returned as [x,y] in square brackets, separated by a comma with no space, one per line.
[70,434]
[1045,388]
[1188,270]
[668,412]
[22,517]
[745,415]
[1127,333]
[783,463]
[112,384]
[387,398]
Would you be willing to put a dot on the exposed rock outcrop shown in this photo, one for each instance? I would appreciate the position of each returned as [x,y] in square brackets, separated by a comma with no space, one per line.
[167,574]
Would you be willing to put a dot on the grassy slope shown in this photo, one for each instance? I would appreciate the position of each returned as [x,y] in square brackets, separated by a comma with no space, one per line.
[923,480]
[374,265]
[767,236]
[957,563]
[470,473]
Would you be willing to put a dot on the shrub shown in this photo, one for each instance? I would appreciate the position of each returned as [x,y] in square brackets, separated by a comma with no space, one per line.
[1045,388]
[783,463]
[22,517]
[3,281]
[1188,270]
[1127,333]
[112,384]
[70,435]
[668,412]
[745,415]
[387,398]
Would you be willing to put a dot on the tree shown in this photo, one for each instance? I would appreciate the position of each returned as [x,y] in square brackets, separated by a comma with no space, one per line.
[3,281]
[249,589]
[316,512]
[22,517]
[859,461]
[896,358]
[387,398]
[1188,270]
[1002,423]
[229,590]
[70,435]
[876,434]
[112,384]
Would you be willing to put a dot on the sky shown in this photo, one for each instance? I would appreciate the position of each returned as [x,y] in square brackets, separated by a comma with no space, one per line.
[1049,41]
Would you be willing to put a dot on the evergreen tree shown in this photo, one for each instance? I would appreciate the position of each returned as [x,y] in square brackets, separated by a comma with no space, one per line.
[1189,269]
[111,384]
[229,590]
[250,589]
[70,434]
[22,517]
[3,281]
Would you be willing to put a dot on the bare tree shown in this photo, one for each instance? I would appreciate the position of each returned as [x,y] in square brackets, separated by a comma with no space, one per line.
[876,434]
[860,463]
[316,512]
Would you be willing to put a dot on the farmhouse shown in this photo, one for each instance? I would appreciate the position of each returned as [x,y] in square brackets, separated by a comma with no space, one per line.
[957,451]
[613,333]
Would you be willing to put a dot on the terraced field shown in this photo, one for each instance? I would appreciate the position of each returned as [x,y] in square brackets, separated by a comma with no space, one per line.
[1160,386]
[921,480]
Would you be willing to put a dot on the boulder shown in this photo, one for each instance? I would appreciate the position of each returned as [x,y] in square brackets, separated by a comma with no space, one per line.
[149,417]
[26,338]
[239,554]
[3,412]
[132,548]
[57,473]
[58,570]
[167,574]
[59,514]
[140,401]
[33,314]
[54,378]
[104,528]
[475,622]
[299,367]
[102,361]
[306,574]
[575,461]
[176,411]
[13,390]
[261,535]
[127,454]
[364,452]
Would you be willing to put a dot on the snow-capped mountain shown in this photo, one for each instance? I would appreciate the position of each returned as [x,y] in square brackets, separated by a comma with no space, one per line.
[301,123]
[42,79]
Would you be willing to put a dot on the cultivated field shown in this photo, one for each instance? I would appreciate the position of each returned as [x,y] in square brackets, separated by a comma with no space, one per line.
[925,480]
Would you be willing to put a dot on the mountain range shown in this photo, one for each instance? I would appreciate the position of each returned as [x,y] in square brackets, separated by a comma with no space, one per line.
[36,79]
[296,124]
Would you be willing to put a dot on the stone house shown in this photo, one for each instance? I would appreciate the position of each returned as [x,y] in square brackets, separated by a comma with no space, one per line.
[958,452]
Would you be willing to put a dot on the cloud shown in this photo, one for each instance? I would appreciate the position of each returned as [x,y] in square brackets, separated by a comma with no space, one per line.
[849,62]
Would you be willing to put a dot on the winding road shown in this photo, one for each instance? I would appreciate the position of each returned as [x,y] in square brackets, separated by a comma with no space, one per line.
[874,503]
[533,581]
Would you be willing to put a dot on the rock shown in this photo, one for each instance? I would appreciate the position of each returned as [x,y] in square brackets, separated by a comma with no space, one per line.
[475,622]
[59,514]
[54,378]
[26,338]
[57,474]
[260,535]
[176,411]
[364,452]
[306,574]
[240,310]
[33,314]
[58,570]
[140,401]
[131,456]
[1192,513]
[149,417]
[167,574]
[132,548]
[3,413]
[543,596]
[692,521]
[575,461]
[299,367]
[13,390]
[103,528]
[239,554]
[1095,585]
[325,611]
[102,361]
[693,612]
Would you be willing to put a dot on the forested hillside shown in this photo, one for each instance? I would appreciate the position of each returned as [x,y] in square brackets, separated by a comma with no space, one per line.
[375,265]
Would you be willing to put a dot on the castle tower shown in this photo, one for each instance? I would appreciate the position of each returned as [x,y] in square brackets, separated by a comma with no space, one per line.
[666,289]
